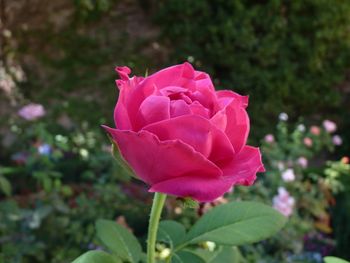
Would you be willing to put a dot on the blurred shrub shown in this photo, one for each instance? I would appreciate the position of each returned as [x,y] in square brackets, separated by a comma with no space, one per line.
[287,55]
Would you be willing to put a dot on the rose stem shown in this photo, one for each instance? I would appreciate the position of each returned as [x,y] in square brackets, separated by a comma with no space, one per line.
[156,211]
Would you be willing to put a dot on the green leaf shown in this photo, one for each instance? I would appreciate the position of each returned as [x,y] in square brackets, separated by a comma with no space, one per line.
[227,254]
[235,224]
[334,260]
[186,257]
[119,240]
[5,186]
[96,256]
[171,232]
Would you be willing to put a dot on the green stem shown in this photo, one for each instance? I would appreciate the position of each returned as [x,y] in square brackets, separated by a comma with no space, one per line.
[156,211]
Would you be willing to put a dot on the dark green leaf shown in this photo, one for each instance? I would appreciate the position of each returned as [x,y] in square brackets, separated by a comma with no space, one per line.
[236,223]
[96,256]
[227,254]
[119,240]
[171,232]
[186,257]
[5,186]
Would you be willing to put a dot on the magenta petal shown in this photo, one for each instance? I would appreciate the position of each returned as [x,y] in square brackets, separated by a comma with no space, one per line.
[179,108]
[198,109]
[153,109]
[200,188]
[197,132]
[237,127]
[123,72]
[243,168]
[154,161]
[228,95]
[234,120]
[179,75]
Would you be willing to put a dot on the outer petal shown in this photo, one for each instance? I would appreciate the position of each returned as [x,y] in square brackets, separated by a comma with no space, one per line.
[179,75]
[234,120]
[197,132]
[228,95]
[243,168]
[200,188]
[154,161]
[124,112]
[153,109]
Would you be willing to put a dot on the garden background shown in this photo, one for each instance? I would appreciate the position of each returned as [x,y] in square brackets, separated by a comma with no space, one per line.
[57,175]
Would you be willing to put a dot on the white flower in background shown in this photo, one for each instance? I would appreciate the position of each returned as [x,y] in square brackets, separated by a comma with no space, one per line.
[269,138]
[283,202]
[329,126]
[280,166]
[301,127]
[283,116]
[337,140]
[32,111]
[288,175]
[302,161]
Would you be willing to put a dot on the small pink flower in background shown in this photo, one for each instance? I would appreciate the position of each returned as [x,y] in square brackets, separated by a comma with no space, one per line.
[283,202]
[269,138]
[337,140]
[288,175]
[302,161]
[345,160]
[329,126]
[308,141]
[315,130]
[32,112]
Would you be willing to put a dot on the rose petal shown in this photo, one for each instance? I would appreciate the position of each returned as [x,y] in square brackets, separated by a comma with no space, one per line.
[244,166]
[234,121]
[179,75]
[179,108]
[154,161]
[227,95]
[198,109]
[200,188]
[153,109]
[197,132]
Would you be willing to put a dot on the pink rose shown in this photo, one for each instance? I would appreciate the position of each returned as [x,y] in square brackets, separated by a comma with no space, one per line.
[308,141]
[269,138]
[329,126]
[337,140]
[32,111]
[283,202]
[182,137]
[302,161]
[315,130]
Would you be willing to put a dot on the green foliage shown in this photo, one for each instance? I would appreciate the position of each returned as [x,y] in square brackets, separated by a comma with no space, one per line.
[96,257]
[186,256]
[334,260]
[119,240]
[171,232]
[236,223]
[286,55]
